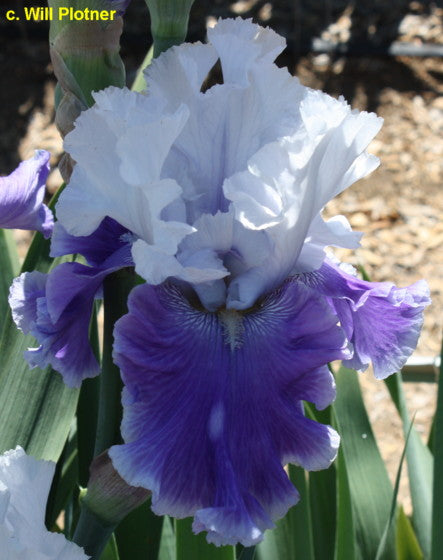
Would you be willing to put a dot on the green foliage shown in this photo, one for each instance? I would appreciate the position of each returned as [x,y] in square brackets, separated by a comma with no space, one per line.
[437,512]
[369,485]
[36,407]
[9,268]
[292,538]
[193,547]
[419,459]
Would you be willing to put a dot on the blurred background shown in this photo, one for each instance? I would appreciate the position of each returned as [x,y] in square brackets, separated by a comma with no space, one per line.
[382,56]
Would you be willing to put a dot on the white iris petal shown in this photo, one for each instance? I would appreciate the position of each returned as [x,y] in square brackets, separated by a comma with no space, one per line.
[222,188]
[24,489]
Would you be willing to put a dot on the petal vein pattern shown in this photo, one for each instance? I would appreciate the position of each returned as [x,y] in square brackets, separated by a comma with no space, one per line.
[212,405]
[259,148]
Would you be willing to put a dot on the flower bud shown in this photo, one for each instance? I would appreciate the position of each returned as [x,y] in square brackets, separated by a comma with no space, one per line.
[169,22]
[85,56]
[108,496]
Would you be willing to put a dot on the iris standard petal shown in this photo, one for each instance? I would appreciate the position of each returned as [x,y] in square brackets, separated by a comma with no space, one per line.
[22,193]
[258,151]
[288,182]
[212,404]
[382,322]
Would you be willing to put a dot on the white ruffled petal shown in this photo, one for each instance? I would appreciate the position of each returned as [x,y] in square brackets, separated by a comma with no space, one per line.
[287,184]
[227,125]
[80,208]
[221,188]
[120,146]
[24,489]
[176,76]
[336,232]
[156,266]
[147,157]
[256,45]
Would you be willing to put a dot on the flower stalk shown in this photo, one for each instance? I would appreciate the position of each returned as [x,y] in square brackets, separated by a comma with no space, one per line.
[116,290]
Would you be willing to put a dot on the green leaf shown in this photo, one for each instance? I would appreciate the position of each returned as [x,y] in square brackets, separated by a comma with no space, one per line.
[369,484]
[167,542]
[139,534]
[420,461]
[64,483]
[437,515]
[246,553]
[9,268]
[87,410]
[345,530]
[139,83]
[36,407]
[382,545]
[111,550]
[406,542]
[322,497]
[292,537]
[195,547]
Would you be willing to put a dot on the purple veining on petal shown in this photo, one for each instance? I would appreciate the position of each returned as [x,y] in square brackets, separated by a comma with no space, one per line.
[22,193]
[381,321]
[108,246]
[212,405]
[56,309]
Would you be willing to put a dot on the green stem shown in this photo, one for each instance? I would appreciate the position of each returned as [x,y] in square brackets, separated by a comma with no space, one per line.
[437,506]
[91,533]
[116,290]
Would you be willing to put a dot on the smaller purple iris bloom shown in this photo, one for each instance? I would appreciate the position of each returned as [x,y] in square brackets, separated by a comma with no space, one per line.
[22,193]
[56,307]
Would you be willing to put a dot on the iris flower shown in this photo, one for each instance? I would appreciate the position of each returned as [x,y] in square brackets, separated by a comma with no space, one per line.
[219,194]
[21,196]
[24,489]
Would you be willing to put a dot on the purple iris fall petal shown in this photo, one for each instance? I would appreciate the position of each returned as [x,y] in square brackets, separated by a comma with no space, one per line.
[56,309]
[381,321]
[22,193]
[213,405]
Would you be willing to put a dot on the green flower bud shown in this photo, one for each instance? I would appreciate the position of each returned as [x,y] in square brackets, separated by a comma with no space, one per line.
[85,56]
[105,503]
[169,22]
